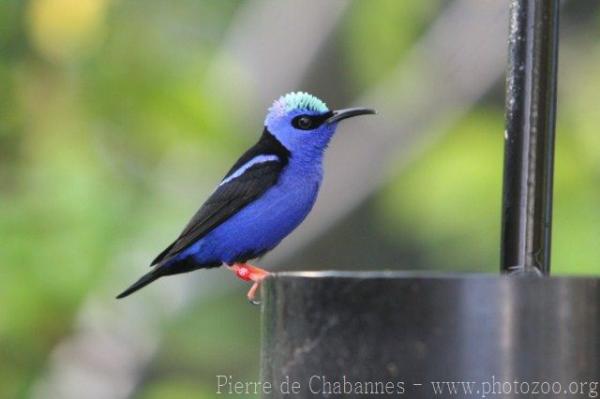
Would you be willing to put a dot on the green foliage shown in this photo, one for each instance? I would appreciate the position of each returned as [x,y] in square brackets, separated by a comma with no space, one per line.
[86,113]
[450,198]
[377,34]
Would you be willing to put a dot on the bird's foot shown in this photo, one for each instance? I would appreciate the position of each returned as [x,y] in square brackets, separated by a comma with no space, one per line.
[251,295]
[247,272]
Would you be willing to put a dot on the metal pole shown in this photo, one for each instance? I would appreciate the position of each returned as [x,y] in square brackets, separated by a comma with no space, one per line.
[529,137]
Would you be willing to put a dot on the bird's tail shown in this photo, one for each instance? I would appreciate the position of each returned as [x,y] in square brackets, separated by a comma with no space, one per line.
[142,282]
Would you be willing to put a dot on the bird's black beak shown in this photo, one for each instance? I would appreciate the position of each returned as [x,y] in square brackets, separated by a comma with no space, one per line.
[341,114]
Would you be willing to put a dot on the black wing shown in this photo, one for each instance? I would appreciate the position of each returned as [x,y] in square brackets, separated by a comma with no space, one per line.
[233,195]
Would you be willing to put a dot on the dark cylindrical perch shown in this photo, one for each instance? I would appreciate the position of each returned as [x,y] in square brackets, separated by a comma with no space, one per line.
[408,332]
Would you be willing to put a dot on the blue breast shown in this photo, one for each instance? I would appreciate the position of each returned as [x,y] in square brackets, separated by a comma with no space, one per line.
[261,225]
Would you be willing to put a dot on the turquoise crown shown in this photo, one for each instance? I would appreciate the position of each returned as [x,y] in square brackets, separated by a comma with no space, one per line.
[298,101]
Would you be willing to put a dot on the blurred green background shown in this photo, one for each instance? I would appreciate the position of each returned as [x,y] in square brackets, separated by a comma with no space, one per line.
[113,128]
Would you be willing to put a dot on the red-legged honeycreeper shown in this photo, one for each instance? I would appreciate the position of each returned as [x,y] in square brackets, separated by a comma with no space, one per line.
[265,195]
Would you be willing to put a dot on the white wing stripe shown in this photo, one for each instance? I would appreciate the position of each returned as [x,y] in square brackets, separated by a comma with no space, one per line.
[247,165]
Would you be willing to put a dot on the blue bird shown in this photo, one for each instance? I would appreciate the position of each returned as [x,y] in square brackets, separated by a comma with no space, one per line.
[265,195]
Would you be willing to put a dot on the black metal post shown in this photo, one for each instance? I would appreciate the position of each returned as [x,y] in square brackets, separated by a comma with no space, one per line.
[529,138]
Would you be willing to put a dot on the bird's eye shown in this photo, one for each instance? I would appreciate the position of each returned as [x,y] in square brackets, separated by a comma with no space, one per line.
[303,122]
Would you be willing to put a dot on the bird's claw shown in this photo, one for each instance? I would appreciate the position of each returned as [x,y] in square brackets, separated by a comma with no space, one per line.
[252,293]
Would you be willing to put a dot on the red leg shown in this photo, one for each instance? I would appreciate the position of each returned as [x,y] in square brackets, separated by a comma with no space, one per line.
[252,293]
[247,272]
